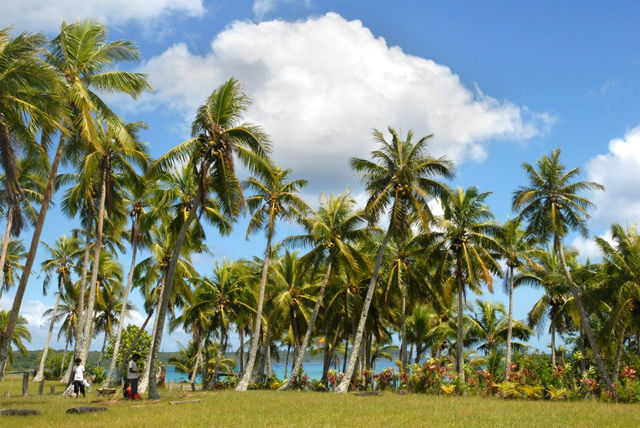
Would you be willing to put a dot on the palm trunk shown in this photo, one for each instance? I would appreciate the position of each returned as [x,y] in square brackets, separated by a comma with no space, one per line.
[509,326]
[88,322]
[241,334]
[553,345]
[253,349]
[586,325]
[410,353]
[127,355]
[107,335]
[39,376]
[194,371]
[268,352]
[77,345]
[286,363]
[346,380]
[121,319]
[163,305]
[64,356]
[307,337]
[346,330]
[5,247]
[616,365]
[403,332]
[460,336]
[7,334]
[146,374]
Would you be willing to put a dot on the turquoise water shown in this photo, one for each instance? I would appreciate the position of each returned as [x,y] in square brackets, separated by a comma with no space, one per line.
[312,368]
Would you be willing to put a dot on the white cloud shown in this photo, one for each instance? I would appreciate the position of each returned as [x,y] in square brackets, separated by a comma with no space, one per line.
[619,171]
[263,7]
[321,85]
[588,248]
[46,15]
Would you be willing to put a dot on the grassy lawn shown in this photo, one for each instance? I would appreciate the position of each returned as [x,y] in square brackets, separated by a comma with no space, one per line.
[301,409]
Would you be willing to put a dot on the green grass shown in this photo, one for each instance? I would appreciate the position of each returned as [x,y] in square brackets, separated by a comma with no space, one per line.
[302,409]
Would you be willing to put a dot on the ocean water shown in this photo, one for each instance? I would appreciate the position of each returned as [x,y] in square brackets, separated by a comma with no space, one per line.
[312,368]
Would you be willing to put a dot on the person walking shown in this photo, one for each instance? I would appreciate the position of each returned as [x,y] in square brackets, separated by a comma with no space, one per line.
[78,378]
[132,375]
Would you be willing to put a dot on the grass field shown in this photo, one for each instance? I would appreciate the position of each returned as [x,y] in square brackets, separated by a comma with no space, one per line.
[301,409]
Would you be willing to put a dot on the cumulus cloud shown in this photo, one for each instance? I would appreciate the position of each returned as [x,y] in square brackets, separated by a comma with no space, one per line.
[319,87]
[588,248]
[46,15]
[619,171]
[262,7]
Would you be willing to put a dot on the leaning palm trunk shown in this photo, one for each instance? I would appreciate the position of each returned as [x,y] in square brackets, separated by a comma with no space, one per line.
[5,247]
[194,371]
[507,371]
[39,376]
[460,336]
[7,334]
[165,296]
[88,321]
[125,358]
[146,374]
[346,380]
[83,285]
[116,345]
[307,337]
[584,320]
[253,349]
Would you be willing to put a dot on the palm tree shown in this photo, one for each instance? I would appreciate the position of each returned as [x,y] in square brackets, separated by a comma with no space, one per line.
[618,280]
[28,102]
[139,192]
[554,303]
[552,206]
[333,231]
[275,198]
[402,179]
[468,232]
[60,262]
[13,264]
[489,327]
[84,62]
[20,334]
[518,251]
[109,158]
[32,186]
[219,137]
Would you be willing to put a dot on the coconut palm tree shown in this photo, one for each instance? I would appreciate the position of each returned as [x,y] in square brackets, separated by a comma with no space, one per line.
[275,198]
[552,206]
[400,179]
[60,261]
[139,192]
[30,180]
[332,230]
[28,103]
[617,281]
[518,250]
[554,303]
[110,158]
[84,61]
[219,139]
[489,327]
[20,335]
[13,264]
[469,233]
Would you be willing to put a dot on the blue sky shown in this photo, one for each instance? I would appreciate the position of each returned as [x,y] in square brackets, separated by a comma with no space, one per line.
[498,83]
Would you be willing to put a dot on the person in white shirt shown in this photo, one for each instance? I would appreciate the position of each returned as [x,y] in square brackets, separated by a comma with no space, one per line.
[78,378]
[132,375]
